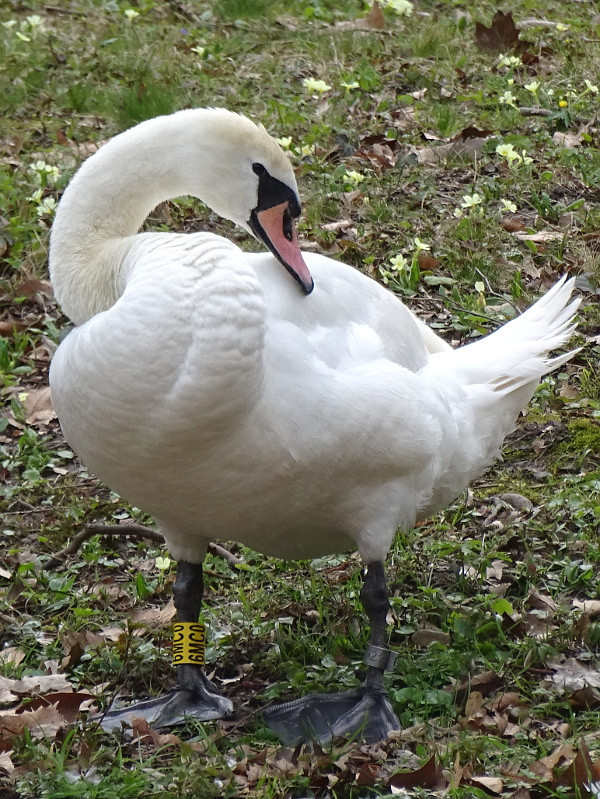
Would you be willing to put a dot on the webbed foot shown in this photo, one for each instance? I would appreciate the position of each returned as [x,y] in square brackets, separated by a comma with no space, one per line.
[364,713]
[196,699]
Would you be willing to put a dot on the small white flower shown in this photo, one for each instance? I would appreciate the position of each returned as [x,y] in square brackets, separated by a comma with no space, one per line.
[508,98]
[402,7]
[458,213]
[312,85]
[285,142]
[508,151]
[526,159]
[307,149]
[398,262]
[22,36]
[532,87]
[509,61]
[353,178]
[561,27]
[198,49]
[47,206]
[420,245]
[36,197]
[591,87]
[354,85]
[471,200]
[9,24]
[480,287]
[34,21]
[162,563]
[508,205]
[131,14]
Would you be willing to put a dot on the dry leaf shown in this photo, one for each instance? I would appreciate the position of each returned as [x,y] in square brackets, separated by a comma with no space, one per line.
[541,237]
[491,784]
[589,606]
[568,140]
[374,20]
[143,732]
[155,617]
[428,636]
[501,36]
[12,690]
[6,763]
[572,675]
[428,776]
[38,406]
[12,654]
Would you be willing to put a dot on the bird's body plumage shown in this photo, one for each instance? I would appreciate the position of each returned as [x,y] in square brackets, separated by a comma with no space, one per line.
[202,386]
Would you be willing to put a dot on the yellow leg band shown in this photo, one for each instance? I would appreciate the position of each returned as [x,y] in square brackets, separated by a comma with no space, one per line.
[188,643]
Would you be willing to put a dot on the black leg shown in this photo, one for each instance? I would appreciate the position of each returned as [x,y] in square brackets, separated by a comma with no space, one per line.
[363,712]
[195,697]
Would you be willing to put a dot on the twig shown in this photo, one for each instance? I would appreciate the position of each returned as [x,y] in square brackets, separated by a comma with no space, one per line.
[495,293]
[134,530]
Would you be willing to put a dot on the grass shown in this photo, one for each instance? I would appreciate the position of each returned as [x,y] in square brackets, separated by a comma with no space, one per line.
[470,579]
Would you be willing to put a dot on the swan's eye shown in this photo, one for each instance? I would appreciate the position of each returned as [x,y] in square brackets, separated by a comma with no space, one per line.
[258,169]
[288,228]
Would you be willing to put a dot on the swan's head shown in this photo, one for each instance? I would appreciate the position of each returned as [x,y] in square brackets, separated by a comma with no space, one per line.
[249,179]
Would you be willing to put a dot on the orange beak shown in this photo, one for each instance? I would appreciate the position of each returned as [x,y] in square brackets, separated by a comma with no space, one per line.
[275,227]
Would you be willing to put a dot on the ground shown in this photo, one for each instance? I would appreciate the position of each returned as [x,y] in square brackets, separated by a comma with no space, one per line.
[450,151]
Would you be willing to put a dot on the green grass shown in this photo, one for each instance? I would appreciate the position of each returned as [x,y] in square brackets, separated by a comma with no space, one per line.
[279,629]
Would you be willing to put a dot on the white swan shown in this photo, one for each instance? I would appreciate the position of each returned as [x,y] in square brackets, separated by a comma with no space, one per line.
[203,386]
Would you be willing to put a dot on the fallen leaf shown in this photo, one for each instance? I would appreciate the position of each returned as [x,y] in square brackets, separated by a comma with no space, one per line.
[12,654]
[573,675]
[567,140]
[155,617]
[12,690]
[501,36]
[143,732]
[374,20]
[68,704]
[589,606]
[427,637]
[6,764]
[428,776]
[44,722]
[491,784]
[38,406]
[541,237]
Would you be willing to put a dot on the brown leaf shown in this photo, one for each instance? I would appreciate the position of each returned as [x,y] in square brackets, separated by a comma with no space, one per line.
[155,617]
[38,406]
[585,698]
[428,262]
[6,764]
[143,732]
[474,704]
[44,722]
[580,773]
[12,654]
[544,768]
[501,36]
[10,326]
[11,690]
[34,289]
[428,636]
[486,683]
[428,776]
[491,784]
[589,606]
[69,704]
[513,224]
[374,20]
[571,674]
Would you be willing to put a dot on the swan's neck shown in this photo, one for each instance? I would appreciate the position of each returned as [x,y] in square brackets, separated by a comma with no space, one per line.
[107,201]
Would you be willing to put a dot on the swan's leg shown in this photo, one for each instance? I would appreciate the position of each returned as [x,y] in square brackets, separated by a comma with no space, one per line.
[195,697]
[363,712]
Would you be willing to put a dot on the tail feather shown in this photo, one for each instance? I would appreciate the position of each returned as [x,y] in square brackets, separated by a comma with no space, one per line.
[516,354]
